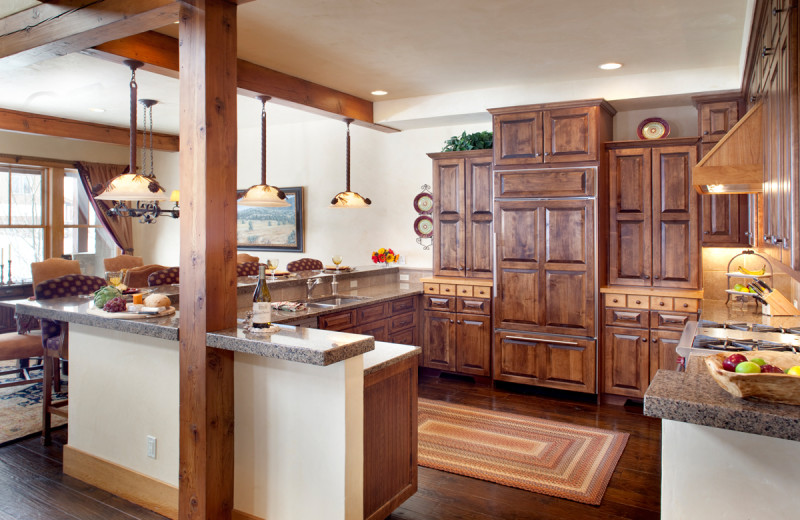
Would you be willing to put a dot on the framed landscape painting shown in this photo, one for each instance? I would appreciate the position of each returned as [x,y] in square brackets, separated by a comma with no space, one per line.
[271,229]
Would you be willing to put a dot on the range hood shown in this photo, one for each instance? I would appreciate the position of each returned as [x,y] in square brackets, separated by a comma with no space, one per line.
[736,163]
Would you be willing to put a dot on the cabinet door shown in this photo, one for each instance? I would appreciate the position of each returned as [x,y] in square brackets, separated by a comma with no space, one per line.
[474,341]
[663,355]
[570,134]
[545,255]
[625,361]
[629,251]
[717,118]
[676,242]
[518,138]
[478,246]
[439,345]
[448,217]
[724,219]
[378,329]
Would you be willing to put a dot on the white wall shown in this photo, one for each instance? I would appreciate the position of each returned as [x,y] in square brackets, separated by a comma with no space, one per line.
[682,121]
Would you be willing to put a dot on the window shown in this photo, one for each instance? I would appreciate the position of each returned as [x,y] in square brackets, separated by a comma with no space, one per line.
[28,231]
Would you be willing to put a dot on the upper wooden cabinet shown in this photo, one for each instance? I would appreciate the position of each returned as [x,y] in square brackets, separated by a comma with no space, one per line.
[654,238]
[550,133]
[462,213]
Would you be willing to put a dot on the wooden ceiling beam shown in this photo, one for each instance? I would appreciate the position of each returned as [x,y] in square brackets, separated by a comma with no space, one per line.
[27,123]
[159,52]
[56,29]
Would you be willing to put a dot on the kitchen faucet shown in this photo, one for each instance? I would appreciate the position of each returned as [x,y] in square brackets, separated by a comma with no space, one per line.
[310,283]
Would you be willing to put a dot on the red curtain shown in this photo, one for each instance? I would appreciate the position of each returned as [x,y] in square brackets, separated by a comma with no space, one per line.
[94,177]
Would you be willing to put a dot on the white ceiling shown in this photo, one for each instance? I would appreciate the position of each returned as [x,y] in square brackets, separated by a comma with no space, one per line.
[421,49]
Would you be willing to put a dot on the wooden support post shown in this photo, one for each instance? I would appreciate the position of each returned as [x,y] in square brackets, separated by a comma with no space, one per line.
[208,256]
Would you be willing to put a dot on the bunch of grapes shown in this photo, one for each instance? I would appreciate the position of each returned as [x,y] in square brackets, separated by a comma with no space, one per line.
[115,305]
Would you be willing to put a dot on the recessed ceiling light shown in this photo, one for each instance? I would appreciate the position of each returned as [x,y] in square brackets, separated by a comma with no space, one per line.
[610,66]
[379,92]
[97,109]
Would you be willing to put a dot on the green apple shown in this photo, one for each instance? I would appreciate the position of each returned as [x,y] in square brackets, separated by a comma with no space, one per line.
[758,361]
[748,367]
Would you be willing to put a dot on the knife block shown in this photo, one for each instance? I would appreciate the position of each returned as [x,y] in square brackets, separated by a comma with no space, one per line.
[779,305]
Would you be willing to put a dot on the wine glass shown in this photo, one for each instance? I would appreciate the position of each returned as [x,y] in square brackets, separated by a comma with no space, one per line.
[114,278]
[336,259]
[272,264]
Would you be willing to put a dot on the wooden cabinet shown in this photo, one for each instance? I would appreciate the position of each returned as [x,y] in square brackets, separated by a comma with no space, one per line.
[462,213]
[8,321]
[546,266]
[394,321]
[457,332]
[641,332]
[551,133]
[556,362]
[654,239]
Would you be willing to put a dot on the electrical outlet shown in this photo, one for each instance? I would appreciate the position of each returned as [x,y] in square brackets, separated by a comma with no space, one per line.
[404,277]
[151,446]
[353,284]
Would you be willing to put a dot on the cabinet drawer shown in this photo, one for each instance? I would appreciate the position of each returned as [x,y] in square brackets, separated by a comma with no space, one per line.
[339,321]
[473,305]
[447,289]
[404,337]
[402,322]
[480,291]
[464,290]
[430,288]
[686,305]
[577,182]
[638,302]
[627,318]
[378,329]
[370,313]
[615,300]
[440,303]
[670,320]
[402,305]
[661,303]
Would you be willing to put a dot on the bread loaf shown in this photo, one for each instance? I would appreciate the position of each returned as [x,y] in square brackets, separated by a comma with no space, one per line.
[157,300]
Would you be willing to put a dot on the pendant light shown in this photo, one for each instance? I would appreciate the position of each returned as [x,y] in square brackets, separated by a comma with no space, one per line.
[263,194]
[347,198]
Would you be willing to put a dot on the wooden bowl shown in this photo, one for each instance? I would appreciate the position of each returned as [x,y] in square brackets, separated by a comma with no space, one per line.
[776,388]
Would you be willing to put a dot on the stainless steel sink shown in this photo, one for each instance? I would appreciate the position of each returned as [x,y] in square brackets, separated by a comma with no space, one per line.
[334,301]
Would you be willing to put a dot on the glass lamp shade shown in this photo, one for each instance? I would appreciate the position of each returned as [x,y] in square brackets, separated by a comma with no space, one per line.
[349,199]
[264,195]
[130,186]
[175,196]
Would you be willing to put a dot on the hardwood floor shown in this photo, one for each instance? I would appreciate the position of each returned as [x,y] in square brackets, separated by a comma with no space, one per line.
[33,487]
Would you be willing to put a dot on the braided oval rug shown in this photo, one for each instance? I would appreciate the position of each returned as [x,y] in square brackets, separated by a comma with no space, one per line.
[548,457]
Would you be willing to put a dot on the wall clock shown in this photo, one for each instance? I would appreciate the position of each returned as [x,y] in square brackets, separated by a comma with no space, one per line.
[653,128]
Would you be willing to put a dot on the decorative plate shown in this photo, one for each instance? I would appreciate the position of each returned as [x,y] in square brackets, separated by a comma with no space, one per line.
[423,203]
[653,128]
[423,226]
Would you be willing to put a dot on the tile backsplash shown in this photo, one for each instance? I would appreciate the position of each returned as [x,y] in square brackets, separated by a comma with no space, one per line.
[715,267]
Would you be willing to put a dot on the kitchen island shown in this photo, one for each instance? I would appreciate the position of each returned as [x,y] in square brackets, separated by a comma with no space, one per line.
[301,409]
[723,457]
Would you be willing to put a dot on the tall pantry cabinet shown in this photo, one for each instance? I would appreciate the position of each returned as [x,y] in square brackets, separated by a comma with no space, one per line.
[548,164]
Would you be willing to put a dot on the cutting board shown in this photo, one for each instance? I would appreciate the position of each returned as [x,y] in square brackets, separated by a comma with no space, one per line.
[130,315]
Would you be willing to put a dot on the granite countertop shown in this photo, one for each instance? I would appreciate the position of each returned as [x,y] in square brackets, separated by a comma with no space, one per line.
[735,312]
[387,354]
[694,397]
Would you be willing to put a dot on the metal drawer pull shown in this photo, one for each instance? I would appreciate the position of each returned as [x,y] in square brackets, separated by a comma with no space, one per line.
[534,340]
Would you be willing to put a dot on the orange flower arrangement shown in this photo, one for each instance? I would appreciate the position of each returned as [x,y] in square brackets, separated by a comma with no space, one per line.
[384,255]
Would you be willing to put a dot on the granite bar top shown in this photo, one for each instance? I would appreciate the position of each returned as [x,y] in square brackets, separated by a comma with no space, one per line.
[736,312]
[387,354]
[694,397]
[299,344]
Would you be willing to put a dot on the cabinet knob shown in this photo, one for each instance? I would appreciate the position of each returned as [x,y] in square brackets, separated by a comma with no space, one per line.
[657,278]
[458,321]
[546,154]
[661,303]
[705,232]
[654,340]
[638,302]
[646,277]
[685,305]
[705,133]
[766,51]
[644,340]
[775,11]
[615,300]
[451,321]
[537,154]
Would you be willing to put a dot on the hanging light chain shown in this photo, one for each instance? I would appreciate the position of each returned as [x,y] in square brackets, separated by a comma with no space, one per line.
[347,155]
[149,111]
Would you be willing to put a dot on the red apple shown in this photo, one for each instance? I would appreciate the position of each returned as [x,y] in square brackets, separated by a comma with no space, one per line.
[771,369]
[731,361]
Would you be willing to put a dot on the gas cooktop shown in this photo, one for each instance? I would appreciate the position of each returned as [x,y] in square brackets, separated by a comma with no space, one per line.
[708,337]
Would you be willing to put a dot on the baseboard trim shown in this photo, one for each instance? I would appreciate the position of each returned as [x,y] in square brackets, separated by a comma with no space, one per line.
[126,483]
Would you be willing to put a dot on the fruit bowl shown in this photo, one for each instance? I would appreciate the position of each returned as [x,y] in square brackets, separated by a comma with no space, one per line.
[776,388]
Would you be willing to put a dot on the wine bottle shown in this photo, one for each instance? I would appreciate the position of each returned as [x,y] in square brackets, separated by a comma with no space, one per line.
[262,306]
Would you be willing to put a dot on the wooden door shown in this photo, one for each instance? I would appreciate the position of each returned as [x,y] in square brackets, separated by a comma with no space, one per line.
[717,118]
[518,138]
[663,355]
[570,364]
[787,174]
[473,344]
[626,367]
[448,217]
[478,245]
[676,242]
[516,358]
[439,345]
[630,217]
[724,219]
[519,302]
[570,134]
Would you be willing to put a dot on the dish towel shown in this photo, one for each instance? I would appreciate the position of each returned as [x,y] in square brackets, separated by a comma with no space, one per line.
[289,306]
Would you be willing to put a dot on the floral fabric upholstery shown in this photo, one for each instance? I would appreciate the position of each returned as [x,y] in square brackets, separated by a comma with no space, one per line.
[304,264]
[54,332]
[247,269]
[165,277]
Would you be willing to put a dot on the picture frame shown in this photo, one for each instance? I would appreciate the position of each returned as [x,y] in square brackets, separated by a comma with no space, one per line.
[272,229]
